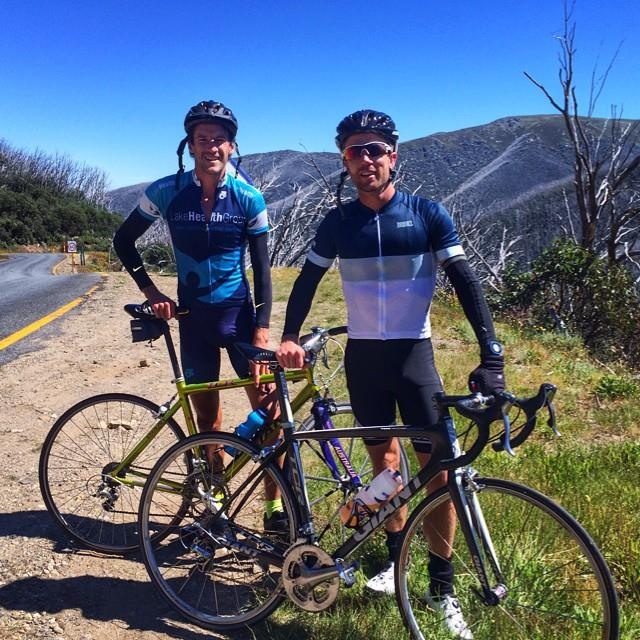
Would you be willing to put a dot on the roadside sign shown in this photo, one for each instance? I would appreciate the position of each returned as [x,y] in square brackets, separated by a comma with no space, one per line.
[72,246]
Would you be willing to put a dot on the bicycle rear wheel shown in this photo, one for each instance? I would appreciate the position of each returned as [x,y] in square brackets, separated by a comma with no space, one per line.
[557,583]
[219,567]
[95,509]
[328,494]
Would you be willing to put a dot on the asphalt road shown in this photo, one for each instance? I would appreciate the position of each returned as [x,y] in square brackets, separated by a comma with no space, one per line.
[29,291]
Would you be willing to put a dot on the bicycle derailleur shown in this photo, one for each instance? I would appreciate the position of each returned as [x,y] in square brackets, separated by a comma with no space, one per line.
[108,489]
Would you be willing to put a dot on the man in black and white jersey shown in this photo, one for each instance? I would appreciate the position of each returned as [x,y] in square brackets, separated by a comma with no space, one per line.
[390,244]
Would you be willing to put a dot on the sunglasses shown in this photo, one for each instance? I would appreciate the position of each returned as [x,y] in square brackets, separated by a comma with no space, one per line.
[373,149]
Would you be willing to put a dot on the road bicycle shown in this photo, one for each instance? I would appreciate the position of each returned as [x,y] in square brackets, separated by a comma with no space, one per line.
[98,454]
[524,567]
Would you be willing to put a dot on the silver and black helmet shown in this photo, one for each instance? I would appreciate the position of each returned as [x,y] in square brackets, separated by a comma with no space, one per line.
[210,111]
[367,120]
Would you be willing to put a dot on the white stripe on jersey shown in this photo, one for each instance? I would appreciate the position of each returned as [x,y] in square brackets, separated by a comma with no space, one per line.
[318,260]
[259,224]
[148,208]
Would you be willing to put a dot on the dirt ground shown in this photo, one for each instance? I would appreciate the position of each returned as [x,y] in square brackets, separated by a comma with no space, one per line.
[48,589]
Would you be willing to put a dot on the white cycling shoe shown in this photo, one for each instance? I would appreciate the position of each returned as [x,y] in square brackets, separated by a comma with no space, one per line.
[448,608]
[383,582]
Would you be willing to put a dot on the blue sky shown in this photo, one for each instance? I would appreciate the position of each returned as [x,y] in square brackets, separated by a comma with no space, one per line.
[109,83]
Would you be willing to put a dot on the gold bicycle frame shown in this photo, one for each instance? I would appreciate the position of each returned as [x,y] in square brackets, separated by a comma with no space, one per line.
[124,474]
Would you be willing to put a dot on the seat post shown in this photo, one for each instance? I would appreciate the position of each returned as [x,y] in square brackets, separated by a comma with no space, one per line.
[173,357]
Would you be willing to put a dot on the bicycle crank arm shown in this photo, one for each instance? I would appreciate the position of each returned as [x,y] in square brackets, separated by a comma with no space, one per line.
[309,577]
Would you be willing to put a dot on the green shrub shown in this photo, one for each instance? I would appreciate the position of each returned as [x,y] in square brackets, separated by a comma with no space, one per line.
[614,387]
[570,290]
[159,257]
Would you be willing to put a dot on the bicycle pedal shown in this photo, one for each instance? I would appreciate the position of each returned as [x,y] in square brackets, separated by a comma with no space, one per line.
[348,574]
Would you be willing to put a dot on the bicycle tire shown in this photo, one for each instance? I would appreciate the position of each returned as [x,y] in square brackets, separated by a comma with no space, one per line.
[84,441]
[557,583]
[326,494]
[212,568]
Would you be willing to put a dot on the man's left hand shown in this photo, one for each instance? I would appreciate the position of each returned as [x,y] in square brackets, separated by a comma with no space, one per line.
[488,378]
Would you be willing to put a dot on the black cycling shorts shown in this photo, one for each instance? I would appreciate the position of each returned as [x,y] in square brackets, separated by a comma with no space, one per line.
[204,331]
[383,374]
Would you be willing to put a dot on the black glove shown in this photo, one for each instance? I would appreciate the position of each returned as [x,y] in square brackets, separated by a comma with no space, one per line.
[488,378]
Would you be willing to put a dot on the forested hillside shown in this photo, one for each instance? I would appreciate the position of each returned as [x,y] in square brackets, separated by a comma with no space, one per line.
[45,200]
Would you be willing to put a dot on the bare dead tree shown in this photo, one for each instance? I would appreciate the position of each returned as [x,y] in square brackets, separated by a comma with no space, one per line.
[57,172]
[606,156]
[294,220]
[267,180]
[488,246]
[294,223]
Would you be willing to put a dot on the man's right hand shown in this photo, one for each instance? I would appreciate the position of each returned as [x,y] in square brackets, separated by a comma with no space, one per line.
[290,354]
[161,305]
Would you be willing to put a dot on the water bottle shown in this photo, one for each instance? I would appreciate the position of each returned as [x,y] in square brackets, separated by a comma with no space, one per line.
[371,497]
[248,429]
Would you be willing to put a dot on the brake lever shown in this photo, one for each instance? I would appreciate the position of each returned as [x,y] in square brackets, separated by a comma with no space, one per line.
[325,357]
[551,422]
[550,392]
[506,438]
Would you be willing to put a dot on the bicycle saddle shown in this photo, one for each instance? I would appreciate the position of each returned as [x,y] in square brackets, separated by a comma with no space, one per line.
[140,311]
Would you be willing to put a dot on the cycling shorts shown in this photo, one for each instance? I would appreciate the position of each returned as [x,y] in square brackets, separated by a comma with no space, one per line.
[204,331]
[383,374]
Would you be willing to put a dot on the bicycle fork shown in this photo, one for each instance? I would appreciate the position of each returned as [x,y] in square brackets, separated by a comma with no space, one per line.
[464,494]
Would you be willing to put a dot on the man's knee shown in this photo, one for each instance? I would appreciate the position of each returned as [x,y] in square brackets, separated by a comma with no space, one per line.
[385,454]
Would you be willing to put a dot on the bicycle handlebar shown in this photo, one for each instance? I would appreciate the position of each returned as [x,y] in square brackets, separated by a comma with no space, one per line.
[483,411]
[531,406]
[313,342]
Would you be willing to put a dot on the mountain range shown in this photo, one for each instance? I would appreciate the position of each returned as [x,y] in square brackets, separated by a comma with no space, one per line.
[517,170]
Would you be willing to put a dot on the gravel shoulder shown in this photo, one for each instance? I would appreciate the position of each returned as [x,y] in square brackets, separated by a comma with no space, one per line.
[48,589]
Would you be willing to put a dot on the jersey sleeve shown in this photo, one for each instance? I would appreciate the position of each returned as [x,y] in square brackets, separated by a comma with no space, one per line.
[262,287]
[253,205]
[443,237]
[124,243]
[156,197]
[324,249]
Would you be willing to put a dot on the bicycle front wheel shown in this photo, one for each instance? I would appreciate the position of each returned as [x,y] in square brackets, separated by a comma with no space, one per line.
[86,442]
[221,565]
[550,578]
[328,493]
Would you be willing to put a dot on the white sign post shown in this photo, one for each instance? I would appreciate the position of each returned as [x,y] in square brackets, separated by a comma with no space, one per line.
[72,248]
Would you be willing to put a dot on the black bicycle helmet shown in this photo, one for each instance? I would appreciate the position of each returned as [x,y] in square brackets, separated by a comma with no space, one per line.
[210,111]
[367,120]
[206,111]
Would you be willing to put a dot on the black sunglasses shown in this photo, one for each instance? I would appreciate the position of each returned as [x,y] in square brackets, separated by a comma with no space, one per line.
[373,149]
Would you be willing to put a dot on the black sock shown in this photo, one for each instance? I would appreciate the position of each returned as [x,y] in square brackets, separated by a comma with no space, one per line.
[441,575]
[393,543]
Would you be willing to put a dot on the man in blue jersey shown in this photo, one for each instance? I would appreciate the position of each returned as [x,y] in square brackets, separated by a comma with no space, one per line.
[389,245]
[212,216]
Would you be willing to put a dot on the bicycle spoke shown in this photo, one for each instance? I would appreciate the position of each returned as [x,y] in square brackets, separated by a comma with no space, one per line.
[216,567]
[86,442]
[557,586]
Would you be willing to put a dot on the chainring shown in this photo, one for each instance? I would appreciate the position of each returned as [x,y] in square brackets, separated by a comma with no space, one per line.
[308,593]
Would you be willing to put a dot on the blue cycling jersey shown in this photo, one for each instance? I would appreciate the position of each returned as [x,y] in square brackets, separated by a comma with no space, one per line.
[209,252]
[388,261]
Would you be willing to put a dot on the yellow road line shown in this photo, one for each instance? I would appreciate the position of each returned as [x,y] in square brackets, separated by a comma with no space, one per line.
[38,324]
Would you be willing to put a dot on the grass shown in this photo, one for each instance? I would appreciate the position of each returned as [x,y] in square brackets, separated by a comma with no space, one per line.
[591,469]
